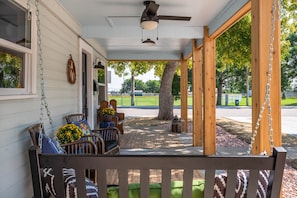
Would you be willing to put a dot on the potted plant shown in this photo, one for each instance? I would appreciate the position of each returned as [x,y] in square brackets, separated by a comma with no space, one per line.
[108,113]
[69,133]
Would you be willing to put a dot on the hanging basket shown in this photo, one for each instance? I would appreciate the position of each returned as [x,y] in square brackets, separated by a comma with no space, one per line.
[107,118]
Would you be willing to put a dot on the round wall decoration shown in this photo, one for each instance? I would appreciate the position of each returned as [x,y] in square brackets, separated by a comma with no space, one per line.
[71,72]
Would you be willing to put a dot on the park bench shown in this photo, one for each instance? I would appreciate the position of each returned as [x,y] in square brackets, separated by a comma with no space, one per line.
[253,164]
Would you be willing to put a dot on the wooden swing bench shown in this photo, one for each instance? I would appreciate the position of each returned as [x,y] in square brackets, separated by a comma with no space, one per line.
[254,164]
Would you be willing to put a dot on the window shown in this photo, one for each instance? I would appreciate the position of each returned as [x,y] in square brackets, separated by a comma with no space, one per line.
[17,68]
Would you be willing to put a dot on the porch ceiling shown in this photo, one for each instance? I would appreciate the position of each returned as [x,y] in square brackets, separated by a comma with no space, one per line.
[115,25]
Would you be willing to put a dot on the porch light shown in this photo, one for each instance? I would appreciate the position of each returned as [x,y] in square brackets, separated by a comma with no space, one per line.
[98,65]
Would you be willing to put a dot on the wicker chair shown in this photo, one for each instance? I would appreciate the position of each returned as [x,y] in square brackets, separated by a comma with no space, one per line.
[108,139]
[82,146]
[118,119]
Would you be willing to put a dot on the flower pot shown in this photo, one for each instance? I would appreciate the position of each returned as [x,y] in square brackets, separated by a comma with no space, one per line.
[107,118]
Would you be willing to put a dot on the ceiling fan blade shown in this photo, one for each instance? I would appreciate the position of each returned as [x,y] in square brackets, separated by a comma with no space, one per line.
[176,18]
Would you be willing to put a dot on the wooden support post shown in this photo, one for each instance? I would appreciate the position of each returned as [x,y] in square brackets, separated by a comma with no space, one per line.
[197,90]
[184,93]
[209,96]
[261,35]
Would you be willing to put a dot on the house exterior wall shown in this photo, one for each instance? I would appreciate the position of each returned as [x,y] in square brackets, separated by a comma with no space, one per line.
[59,38]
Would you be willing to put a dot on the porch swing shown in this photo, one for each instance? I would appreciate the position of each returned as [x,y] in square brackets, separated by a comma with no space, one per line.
[243,173]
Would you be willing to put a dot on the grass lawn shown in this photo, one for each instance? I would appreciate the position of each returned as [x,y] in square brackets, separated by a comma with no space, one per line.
[154,101]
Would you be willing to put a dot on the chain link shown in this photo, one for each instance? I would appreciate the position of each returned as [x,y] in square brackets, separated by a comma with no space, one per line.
[43,101]
[29,16]
[268,84]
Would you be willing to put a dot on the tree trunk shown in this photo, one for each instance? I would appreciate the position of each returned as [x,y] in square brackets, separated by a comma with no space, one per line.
[247,85]
[132,90]
[165,94]
[220,91]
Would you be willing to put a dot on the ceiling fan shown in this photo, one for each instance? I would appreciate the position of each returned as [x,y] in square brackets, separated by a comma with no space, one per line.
[149,19]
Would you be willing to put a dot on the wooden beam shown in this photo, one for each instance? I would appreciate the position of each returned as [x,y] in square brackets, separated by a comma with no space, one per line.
[197,90]
[184,93]
[209,96]
[229,23]
[261,36]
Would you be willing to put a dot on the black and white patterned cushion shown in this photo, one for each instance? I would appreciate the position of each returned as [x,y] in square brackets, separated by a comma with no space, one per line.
[69,184]
[241,184]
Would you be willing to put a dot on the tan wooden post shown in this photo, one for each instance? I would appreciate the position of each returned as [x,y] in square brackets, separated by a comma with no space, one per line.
[184,93]
[197,94]
[209,96]
[261,35]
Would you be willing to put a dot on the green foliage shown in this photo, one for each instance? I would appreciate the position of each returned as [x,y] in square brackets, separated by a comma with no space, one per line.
[234,45]
[127,88]
[152,86]
[289,64]
[137,68]
[233,56]
[176,87]
[10,71]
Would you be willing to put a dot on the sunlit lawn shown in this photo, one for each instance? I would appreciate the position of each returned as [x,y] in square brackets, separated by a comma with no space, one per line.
[154,101]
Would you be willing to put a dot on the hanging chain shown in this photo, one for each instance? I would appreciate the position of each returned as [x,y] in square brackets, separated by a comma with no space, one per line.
[268,84]
[29,16]
[43,97]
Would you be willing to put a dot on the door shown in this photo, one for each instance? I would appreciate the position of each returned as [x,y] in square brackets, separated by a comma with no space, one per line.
[84,85]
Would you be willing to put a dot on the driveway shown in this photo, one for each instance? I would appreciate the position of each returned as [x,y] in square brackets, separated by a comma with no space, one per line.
[242,114]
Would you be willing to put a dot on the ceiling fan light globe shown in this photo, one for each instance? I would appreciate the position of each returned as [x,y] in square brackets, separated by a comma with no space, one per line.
[149,25]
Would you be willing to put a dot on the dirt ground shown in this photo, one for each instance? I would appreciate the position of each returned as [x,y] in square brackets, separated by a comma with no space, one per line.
[243,132]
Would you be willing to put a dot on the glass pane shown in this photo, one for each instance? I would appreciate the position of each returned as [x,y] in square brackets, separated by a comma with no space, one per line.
[11,68]
[14,24]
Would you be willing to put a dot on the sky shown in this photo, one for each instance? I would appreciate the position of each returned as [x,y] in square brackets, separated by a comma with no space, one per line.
[116,82]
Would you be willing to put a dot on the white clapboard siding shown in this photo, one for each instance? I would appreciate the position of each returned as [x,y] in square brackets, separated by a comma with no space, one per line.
[58,42]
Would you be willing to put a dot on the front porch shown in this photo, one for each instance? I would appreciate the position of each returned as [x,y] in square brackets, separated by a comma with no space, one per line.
[147,136]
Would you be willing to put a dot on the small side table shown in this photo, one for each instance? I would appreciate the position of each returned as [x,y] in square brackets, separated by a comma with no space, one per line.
[106,124]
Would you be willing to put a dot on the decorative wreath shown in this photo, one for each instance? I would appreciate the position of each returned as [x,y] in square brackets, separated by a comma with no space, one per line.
[71,72]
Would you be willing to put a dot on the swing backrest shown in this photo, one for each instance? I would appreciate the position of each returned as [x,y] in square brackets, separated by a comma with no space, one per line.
[75,117]
[166,163]
[34,130]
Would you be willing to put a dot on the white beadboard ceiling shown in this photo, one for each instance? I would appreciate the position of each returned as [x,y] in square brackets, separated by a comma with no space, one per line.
[115,25]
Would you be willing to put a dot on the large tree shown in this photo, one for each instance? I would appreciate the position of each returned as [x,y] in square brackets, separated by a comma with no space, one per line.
[234,55]
[165,96]
[288,29]
[289,64]
[134,68]
[165,70]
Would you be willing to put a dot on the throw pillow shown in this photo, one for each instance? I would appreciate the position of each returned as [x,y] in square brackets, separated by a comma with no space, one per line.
[49,145]
[84,125]
[241,184]
[69,184]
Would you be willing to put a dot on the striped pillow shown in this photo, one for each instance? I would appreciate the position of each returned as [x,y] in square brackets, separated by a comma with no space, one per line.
[69,184]
[241,184]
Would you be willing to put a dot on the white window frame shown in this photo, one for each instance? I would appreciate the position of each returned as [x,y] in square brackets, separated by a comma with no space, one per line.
[30,65]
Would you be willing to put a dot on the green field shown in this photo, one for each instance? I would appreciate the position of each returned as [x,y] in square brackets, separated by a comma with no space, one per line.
[154,101]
